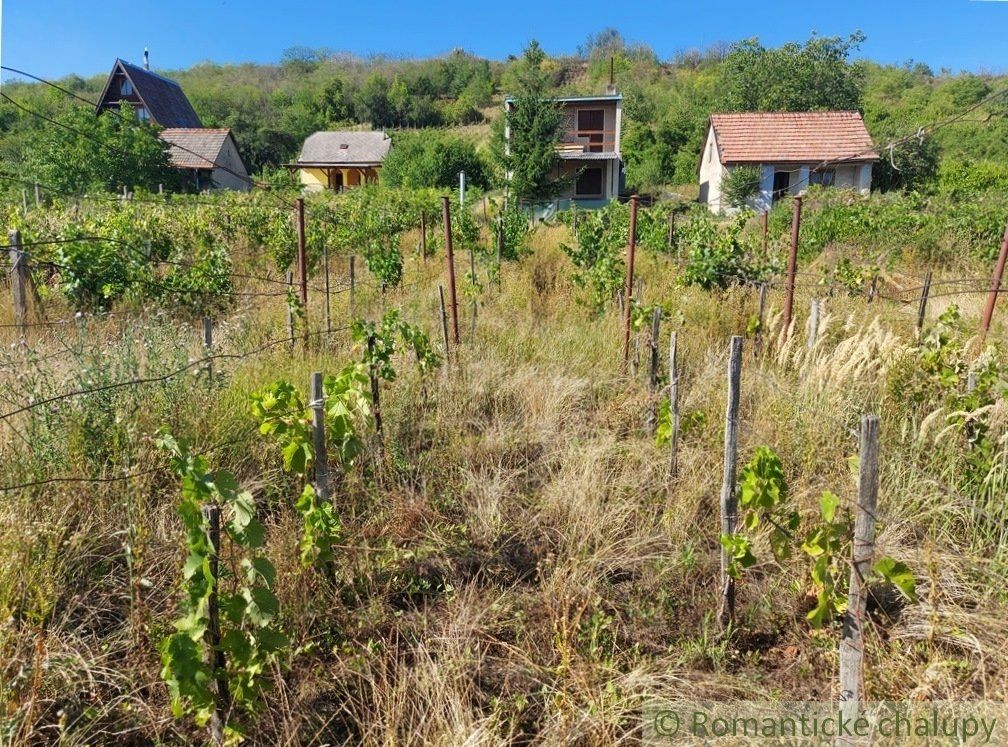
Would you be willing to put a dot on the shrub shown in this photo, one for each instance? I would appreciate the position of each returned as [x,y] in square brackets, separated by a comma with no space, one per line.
[741,183]
[430,159]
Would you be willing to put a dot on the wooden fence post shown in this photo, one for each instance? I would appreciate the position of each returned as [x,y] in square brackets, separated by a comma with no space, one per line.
[671,230]
[862,556]
[423,236]
[765,230]
[208,347]
[500,248]
[472,285]
[38,195]
[653,373]
[444,325]
[813,324]
[760,320]
[995,288]
[353,286]
[222,696]
[24,199]
[673,469]
[325,271]
[792,265]
[450,258]
[19,281]
[375,393]
[922,305]
[729,498]
[628,295]
[290,311]
[317,405]
[301,254]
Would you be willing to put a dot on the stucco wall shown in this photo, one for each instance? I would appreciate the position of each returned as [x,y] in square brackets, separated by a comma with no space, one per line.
[235,177]
[611,114]
[710,174]
[316,180]
[610,177]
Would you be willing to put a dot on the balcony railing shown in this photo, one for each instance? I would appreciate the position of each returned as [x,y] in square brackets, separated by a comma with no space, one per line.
[587,141]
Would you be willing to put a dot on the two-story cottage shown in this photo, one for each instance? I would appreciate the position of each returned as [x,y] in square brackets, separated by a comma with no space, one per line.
[588,154]
[208,158]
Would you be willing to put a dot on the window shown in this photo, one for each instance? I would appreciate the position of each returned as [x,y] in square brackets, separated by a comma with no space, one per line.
[589,182]
[125,88]
[142,114]
[825,177]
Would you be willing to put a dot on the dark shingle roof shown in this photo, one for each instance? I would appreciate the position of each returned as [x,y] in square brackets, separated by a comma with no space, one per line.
[195,148]
[354,148]
[766,137]
[164,99]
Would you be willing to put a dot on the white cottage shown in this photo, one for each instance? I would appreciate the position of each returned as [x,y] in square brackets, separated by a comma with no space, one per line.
[792,149]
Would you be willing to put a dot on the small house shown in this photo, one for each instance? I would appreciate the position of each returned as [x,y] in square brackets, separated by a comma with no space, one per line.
[792,150]
[208,157]
[336,160]
[588,153]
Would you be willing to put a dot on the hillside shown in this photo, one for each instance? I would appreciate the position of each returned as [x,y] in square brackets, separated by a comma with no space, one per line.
[272,108]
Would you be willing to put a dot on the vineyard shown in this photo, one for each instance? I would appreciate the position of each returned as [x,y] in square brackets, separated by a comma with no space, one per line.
[446,476]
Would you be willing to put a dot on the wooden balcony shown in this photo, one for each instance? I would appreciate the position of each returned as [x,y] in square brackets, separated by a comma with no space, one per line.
[587,141]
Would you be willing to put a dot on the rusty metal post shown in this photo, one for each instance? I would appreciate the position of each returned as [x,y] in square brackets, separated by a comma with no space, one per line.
[792,265]
[212,638]
[301,259]
[450,254]
[627,307]
[995,288]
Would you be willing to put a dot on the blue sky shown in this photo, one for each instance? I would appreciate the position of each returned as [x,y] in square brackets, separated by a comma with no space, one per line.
[56,37]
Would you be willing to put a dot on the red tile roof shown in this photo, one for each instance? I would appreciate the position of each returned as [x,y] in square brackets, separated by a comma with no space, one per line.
[777,137]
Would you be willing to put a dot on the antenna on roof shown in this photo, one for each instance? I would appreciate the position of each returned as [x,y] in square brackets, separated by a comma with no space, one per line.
[146,59]
[611,88]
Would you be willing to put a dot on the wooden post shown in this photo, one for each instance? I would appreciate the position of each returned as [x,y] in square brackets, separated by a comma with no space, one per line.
[24,199]
[325,271]
[38,195]
[222,696]
[302,260]
[862,556]
[444,325]
[500,247]
[627,313]
[290,311]
[671,230]
[472,277]
[208,347]
[375,393]
[653,372]
[813,324]
[317,405]
[423,235]
[353,286]
[995,288]
[765,229]
[450,258]
[760,320]
[19,281]
[922,305]
[792,265]
[160,188]
[673,469]
[729,498]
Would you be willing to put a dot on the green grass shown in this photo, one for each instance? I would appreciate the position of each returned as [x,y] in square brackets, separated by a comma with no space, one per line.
[518,568]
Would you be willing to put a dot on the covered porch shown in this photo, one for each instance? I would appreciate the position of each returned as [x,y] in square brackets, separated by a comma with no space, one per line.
[335,177]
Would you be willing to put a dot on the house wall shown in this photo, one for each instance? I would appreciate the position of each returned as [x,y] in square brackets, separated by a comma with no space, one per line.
[855,176]
[711,172]
[229,158]
[568,169]
[317,180]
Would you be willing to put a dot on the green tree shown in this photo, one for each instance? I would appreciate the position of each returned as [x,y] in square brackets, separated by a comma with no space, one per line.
[534,120]
[741,183]
[372,102]
[794,77]
[98,152]
[432,159]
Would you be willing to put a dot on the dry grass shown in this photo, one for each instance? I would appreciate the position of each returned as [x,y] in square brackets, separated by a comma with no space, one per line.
[523,573]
